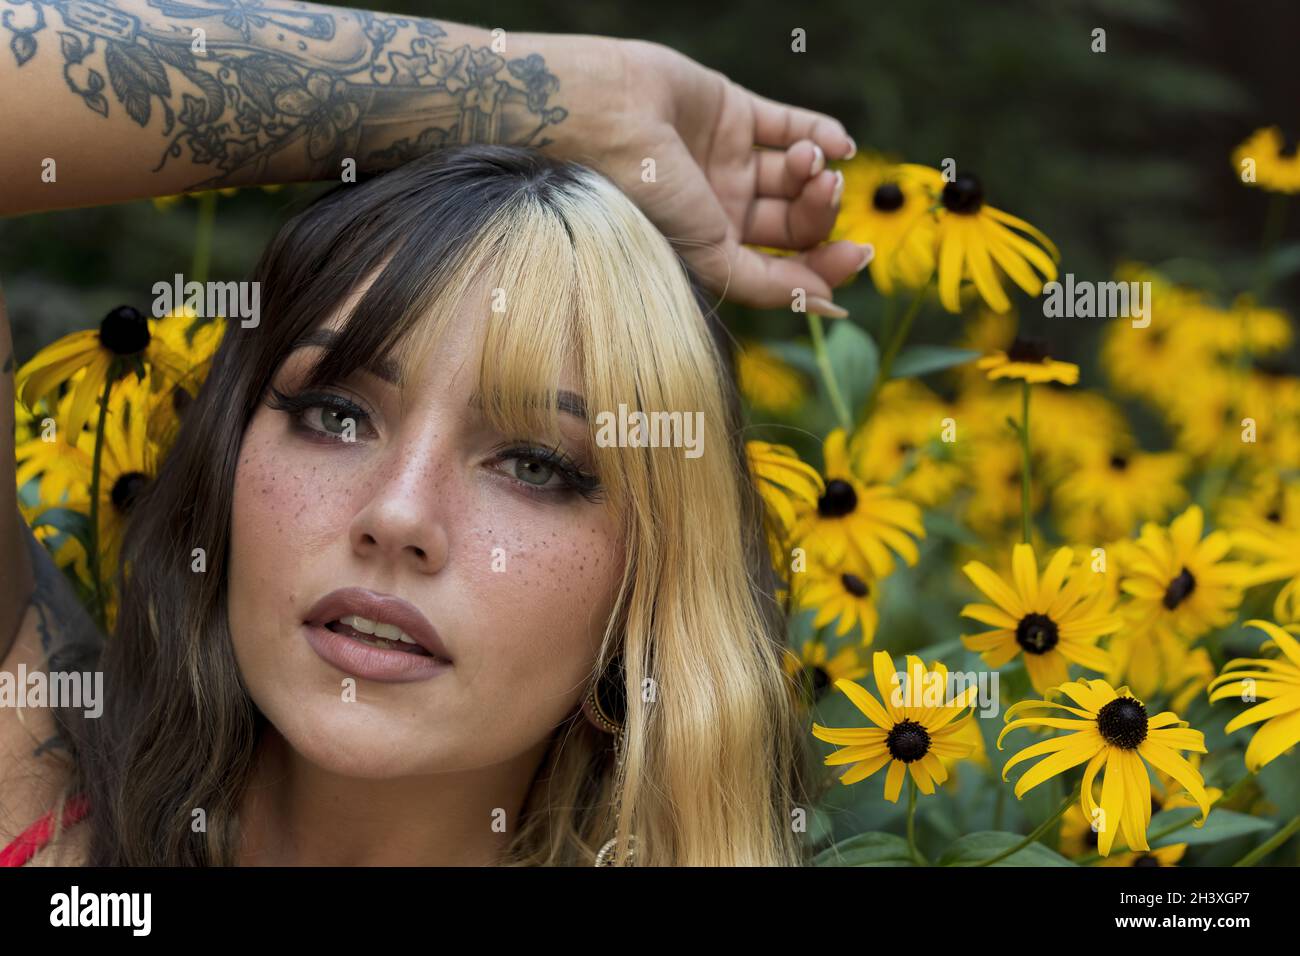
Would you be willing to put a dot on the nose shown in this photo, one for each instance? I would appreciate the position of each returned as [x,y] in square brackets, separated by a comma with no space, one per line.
[404,519]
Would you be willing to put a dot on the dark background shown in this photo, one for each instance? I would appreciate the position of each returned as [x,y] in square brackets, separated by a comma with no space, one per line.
[1120,155]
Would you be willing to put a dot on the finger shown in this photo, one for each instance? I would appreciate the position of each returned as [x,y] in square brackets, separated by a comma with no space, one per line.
[786,173]
[765,281]
[799,223]
[778,125]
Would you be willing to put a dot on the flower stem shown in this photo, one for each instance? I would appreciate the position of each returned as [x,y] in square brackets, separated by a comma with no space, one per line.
[203,236]
[828,373]
[1271,844]
[897,338]
[917,856]
[101,610]
[1024,463]
[1039,831]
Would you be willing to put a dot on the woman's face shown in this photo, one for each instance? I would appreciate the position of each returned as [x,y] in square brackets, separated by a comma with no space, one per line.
[513,569]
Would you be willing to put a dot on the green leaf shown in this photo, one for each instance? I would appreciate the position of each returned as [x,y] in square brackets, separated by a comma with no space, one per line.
[1219,825]
[924,359]
[855,362]
[976,847]
[1284,262]
[69,522]
[866,849]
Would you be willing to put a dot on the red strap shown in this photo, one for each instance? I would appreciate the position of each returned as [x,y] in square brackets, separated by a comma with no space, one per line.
[27,843]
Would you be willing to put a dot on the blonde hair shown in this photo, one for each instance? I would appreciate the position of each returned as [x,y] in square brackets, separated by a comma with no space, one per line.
[711,744]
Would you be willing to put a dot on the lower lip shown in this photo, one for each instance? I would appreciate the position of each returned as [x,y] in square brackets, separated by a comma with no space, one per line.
[371,663]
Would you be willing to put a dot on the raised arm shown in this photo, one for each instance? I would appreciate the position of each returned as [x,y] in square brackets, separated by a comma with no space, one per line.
[124,99]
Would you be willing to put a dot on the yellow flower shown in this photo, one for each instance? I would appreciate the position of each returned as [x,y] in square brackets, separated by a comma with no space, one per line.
[1277,545]
[123,338]
[1276,681]
[885,206]
[845,594]
[994,473]
[813,670]
[1027,359]
[1178,581]
[855,522]
[1112,730]
[784,480]
[916,725]
[1053,622]
[973,236]
[901,445]
[1078,838]
[1276,164]
[1108,492]
[766,381]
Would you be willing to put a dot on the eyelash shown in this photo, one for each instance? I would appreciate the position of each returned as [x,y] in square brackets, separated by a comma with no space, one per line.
[576,481]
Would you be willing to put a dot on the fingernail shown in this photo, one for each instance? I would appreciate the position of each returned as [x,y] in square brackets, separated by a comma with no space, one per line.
[853,149]
[819,160]
[868,253]
[826,307]
[839,188]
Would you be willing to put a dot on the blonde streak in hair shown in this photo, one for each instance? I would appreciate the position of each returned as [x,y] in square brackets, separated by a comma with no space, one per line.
[724,683]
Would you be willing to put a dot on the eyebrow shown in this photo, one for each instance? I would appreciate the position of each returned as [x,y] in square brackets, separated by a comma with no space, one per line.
[385,369]
[388,370]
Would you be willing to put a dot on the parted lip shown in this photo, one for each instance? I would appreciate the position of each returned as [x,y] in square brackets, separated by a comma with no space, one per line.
[385,608]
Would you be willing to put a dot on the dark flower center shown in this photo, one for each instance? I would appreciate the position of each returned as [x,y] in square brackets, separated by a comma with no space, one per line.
[181,400]
[839,500]
[887,198]
[1178,590]
[1146,860]
[855,585]
[124,331]
[963,195]
[815,681]
[1028,350]
[908,741]
[1119,462]
[1037,633]
[1274,516]
[906,448]
[1123,723]
[127,489]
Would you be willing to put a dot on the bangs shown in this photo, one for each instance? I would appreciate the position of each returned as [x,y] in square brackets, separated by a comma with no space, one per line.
[519,266]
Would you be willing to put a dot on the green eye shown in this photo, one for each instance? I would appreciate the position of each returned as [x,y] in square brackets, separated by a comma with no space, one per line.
[330,417]
[533,472]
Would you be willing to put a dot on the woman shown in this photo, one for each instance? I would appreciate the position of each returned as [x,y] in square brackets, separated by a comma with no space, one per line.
[386,618]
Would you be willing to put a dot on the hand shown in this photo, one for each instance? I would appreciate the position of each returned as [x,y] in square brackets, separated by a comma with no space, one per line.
[714,191]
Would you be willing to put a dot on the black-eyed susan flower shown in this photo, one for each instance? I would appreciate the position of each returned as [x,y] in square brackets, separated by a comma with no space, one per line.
[885,206]
[1274,681]
[975,241]
[901,444]
[1079,838]
[1275,544]
[862,524]
[843,594]
[1178,581]
[915,722]
[814,670]
[1109,729]
[1052,622]
[1027,360]
[766,381]
[124,338]
[1108,492]
[1275,163]
[784,481]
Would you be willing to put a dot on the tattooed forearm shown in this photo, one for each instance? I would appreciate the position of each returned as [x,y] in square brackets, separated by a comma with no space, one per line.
[254,90]
[67,633]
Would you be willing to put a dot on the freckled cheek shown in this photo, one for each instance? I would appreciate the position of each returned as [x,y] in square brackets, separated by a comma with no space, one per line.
[546,609]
